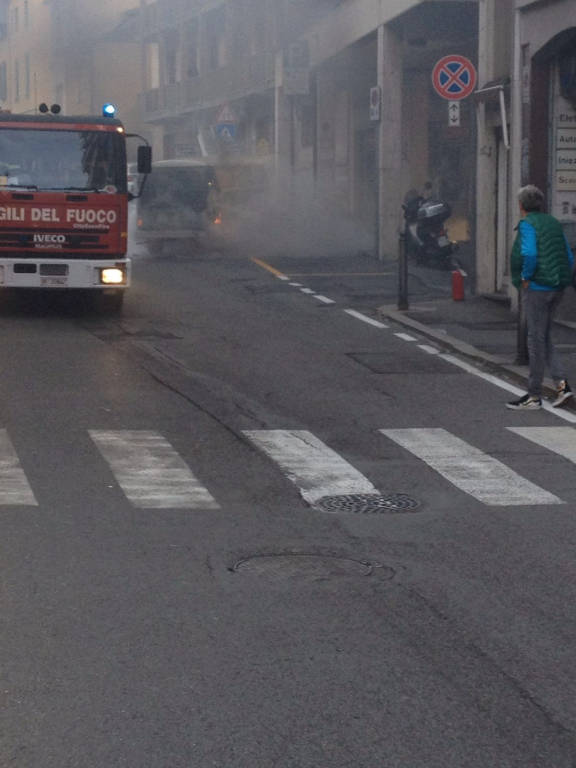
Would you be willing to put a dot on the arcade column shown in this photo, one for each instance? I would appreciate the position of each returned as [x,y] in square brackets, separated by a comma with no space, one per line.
[390,176]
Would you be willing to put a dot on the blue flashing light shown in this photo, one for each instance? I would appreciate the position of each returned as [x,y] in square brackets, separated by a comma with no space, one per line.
[108,110]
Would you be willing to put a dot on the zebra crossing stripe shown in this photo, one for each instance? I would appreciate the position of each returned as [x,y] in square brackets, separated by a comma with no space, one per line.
[469,469]
[310,464]
[14,487]
[150,472]
[560,440]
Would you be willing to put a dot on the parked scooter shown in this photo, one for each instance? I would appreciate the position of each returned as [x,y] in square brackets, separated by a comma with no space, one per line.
[426,237]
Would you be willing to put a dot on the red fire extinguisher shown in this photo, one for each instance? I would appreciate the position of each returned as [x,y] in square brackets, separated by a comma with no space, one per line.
[458,276]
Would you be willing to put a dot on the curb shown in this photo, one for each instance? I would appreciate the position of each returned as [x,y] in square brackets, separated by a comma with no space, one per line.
[518,373]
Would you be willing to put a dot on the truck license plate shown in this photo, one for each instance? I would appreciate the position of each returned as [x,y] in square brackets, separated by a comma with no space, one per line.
[53,282]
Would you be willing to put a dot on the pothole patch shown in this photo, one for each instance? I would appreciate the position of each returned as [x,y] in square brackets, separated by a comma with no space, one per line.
[310,565]
[368,504]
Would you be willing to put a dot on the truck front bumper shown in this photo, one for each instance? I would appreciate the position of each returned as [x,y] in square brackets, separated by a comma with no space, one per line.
[97,274]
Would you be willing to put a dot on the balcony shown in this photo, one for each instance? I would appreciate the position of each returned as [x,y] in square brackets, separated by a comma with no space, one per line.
[247,75]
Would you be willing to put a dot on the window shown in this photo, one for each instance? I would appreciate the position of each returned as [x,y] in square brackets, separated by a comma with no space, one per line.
[26,14]
[46,159]
[3,82]
[27,76]
[16,81]
[3,22]
[308,125]
[215,38]
[171,56]
[567,72]
[191,50]
[15,20]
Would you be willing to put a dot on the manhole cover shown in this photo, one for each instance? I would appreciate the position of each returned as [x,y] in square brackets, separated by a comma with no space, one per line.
[368,503]
[309,565]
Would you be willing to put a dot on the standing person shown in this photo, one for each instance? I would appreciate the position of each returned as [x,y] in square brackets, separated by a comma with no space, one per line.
[541,266]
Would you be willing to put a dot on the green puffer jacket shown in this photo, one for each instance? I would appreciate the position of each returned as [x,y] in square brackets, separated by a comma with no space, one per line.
[554,269]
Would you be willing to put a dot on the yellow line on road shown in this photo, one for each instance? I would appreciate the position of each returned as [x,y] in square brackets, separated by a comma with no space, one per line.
[277,272]
[340,274]
[264,265]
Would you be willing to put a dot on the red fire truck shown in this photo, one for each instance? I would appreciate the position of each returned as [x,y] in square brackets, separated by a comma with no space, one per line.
[64,204]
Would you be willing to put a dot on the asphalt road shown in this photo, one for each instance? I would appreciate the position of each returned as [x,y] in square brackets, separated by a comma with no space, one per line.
[175,593]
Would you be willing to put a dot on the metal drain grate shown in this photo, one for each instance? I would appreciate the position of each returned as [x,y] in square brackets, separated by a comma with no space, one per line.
[367,503]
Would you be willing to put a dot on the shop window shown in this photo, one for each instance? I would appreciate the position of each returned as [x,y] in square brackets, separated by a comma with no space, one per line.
[169,145]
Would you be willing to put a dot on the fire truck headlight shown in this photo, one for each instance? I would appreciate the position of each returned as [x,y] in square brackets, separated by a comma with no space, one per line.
[112,276]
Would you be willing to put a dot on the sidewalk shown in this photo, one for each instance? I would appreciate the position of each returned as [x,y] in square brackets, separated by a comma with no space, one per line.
[484,330]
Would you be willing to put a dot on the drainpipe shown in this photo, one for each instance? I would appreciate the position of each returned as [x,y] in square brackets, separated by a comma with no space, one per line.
[517,175]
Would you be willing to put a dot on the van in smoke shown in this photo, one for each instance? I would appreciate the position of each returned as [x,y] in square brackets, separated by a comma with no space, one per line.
[178,205]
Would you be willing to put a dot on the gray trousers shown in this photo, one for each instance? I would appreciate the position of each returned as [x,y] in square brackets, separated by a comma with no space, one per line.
[541,307]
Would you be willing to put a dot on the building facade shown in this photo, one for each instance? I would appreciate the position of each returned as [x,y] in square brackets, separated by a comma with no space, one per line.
[65,52]
[546,95]
[25,54]
[526,123]
[290,82]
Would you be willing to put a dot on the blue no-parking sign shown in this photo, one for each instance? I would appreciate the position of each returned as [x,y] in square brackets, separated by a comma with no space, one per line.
[454,77]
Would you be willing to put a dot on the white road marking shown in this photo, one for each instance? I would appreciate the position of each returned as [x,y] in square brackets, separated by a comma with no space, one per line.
[310,464]
[470,469]
[559,412]
[150,472]
[324,299]
[282,277]
[307,290]
[365,319]
[296,285]
[560,440]
[430,350]
[14,488]
[405,337]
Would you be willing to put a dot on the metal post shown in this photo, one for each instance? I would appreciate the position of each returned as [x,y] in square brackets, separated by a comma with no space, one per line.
[402,273]
[521,331]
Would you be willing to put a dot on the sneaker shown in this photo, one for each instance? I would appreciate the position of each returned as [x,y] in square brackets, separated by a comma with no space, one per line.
[563,392]
[526,403]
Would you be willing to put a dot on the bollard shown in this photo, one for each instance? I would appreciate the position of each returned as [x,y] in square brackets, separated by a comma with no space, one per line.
[403,303]
[458,276]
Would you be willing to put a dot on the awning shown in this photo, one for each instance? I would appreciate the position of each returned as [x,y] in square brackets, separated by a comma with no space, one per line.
[496,91]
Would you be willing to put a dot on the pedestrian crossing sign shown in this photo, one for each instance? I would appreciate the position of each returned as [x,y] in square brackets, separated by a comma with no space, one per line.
[226,131]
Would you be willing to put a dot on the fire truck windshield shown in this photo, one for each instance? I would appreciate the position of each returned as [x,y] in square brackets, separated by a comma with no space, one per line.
[62,160]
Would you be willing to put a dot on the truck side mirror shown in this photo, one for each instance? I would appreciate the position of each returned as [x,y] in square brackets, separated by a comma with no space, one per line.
[144,159]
